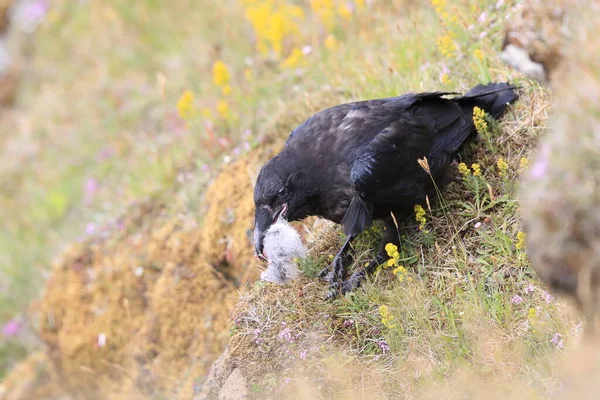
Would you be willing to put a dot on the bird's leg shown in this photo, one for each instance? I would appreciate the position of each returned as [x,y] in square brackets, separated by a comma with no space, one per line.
[390,236]
[337,271]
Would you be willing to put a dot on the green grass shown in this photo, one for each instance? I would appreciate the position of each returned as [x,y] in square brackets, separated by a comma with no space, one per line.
[100,103]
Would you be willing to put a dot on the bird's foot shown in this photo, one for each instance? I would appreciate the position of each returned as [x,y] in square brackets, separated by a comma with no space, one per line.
[336,272]
[355,280]
[350,284]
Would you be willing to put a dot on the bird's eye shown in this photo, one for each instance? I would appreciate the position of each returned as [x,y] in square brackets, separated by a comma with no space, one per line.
[282,192]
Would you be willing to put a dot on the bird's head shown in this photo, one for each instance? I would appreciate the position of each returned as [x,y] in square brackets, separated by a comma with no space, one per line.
[280,192]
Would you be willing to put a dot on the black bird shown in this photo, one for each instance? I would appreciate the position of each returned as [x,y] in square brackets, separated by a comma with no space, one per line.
[357,162]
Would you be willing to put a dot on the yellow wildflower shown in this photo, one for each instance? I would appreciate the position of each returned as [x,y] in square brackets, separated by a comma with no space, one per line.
[476,169]
[463,169]
[185,104]
[502,167]
[330,42]
[223,109]
[439,5]
[420,215]
[226,90]
[400,272]
[520,240]
[446,46]
[445,79]
[479,120]
[207,113]
[360,4]
[532,318]
[220,73]
[344,11]
[294,59]
[386,317]
[248,75]
[478,54]
[272,22]
[390,248]
[523,163]
[325,10]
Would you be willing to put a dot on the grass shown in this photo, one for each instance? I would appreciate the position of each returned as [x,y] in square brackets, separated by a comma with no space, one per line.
[98,127]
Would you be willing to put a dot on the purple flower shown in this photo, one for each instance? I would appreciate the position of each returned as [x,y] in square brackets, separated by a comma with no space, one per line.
[90,228]
[557,340]
[257,339]
[529,289]
[286,335]
[348,323]
[303,354]
[516,299]
[383,346]
[547,297]
[105,153]
[91,186]
[11,328]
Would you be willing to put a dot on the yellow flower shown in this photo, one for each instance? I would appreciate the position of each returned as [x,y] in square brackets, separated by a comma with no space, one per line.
[478,54]
[521,240]
[523,163]
[223,109]
[502,167]
[185,105]
[446,46]
[294,59]
[220,73]
[325,10]
[207,113]
[439,5]
[330,42]
[272,22]
[445,79]
[463,169]
[532,318]
[344,11]
[479,120]
[390,248]
[360,4]
[226,90]
[476,169]
[420,216]
[400,272]
[386,317]
[248,75]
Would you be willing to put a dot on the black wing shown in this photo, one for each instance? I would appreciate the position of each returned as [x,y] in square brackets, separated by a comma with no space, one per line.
[386,171]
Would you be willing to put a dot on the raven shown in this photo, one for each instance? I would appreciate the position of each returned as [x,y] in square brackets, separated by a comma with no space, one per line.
[358,162]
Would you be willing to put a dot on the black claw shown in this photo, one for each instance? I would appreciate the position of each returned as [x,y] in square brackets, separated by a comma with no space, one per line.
[324,272]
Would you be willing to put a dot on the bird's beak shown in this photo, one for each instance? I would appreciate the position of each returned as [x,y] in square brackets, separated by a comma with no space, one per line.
[264,217]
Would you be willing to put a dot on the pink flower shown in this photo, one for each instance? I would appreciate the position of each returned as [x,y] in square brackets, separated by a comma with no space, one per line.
[516,299]
[547,297]
[383,346]
[11,328]
[105,153]
[529,289]
[90,228]
[303,354]
[557,340]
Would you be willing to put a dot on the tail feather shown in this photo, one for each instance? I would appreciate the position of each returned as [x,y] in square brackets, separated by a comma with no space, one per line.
[492,98]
